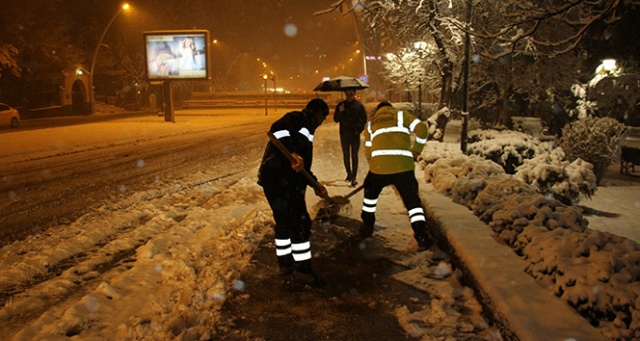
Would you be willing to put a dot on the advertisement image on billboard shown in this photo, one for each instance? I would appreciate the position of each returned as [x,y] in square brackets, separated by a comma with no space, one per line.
[177,54]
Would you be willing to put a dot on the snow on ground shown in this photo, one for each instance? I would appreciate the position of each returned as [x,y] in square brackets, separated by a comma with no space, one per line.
[190,242]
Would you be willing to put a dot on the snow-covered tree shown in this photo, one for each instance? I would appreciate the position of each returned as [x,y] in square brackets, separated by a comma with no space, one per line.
[412,69]
[525,54]
[9,59]
[32,48]
[400,24]
[548,27]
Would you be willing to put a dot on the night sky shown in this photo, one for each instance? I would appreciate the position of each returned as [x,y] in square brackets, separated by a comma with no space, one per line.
[297,46]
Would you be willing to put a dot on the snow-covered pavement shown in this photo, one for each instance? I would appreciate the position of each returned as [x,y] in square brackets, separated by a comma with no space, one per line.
[161,262]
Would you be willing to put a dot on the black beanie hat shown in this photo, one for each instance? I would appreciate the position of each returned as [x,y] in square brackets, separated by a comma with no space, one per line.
[383,104]
[318,104]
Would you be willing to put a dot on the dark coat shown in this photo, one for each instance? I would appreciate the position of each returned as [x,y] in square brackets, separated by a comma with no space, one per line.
[352,119]
[295,131]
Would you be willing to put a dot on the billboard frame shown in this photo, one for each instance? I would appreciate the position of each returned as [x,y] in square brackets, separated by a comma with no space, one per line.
[177,55]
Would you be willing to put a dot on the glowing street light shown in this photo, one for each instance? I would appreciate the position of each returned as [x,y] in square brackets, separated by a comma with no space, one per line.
[608,67]
[124,7]
[266,105]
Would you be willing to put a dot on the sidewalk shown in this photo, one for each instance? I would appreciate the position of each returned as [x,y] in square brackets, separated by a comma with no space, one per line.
[615,209]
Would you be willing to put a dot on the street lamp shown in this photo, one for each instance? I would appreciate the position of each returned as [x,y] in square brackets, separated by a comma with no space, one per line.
[124,7]
[421,46]
[465,82]
[265,77]
[275,93]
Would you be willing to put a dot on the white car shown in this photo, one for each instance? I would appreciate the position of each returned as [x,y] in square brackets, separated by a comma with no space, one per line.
[9,117]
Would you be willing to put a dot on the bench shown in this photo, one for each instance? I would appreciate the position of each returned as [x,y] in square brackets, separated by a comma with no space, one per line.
[629,158]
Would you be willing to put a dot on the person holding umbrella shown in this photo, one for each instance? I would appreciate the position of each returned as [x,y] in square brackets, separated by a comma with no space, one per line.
[352,116]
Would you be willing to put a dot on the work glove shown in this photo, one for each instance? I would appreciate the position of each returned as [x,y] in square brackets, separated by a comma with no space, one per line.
[321,191]
[298,163]
[415,155]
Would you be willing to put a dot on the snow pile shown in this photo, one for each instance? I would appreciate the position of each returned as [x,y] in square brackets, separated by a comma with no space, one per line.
[596,272]
[190,246]
[441,318]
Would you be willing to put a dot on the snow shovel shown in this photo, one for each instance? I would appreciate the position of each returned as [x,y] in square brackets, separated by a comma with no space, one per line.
[331,205]
[304,172]
[328,212]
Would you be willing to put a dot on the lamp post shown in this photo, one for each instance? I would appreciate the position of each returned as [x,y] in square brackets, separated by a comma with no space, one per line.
[226,77]
[275,93]
[266,104]
[360,40]
[420,46]
[465,84]
[124,6]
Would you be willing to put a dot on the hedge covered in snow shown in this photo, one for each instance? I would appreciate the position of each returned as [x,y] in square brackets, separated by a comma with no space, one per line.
[596,272]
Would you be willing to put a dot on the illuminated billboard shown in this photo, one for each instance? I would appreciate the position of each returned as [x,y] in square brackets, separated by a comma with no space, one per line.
[177,54]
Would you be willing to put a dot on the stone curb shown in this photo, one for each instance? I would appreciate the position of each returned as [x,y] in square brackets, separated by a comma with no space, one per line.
[520,307]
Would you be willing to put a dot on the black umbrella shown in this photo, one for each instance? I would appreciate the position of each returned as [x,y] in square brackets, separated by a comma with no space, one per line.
[341,83]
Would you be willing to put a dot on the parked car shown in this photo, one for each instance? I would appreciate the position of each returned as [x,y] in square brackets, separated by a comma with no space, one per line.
[9,117]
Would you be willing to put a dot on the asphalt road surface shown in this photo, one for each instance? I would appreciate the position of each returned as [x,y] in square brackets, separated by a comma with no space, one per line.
[59,188]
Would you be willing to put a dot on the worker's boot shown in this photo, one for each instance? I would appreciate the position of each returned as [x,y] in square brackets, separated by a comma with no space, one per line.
[304,272]
[366,229]
[424,244]
[285,263]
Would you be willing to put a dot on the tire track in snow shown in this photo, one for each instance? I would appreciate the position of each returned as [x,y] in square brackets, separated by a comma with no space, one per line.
[87,254]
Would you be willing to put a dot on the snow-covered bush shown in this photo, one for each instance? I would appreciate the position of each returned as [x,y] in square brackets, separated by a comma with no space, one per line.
[550,174]
[437,123]
[536,163]
[461,176]
[595,272]
[444,165]
[509,149]
[597,140]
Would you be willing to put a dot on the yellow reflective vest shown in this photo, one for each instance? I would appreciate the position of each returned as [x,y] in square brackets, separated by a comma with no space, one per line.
[388,145]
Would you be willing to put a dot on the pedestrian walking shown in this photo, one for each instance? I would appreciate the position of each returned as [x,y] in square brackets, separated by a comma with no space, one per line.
[285,185]
[391,156]
[352,116]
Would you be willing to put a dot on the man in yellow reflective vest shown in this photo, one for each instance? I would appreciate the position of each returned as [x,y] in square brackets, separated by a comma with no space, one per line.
[391,155]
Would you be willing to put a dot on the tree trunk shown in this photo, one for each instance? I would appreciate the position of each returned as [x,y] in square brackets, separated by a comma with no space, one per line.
[599,169]
[446,67]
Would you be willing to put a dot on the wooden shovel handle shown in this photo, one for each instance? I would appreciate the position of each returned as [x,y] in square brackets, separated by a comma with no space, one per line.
[304,172]
[358,189]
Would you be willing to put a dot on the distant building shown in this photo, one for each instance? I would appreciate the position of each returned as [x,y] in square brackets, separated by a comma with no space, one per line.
[57,94]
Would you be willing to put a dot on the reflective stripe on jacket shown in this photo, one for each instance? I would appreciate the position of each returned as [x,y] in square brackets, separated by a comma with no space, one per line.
[295,131]
[388,144]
